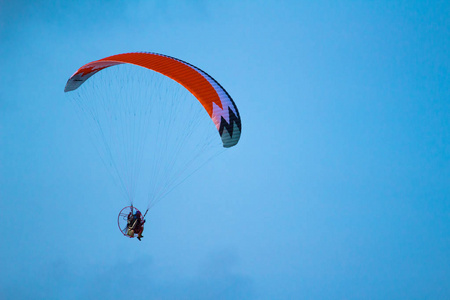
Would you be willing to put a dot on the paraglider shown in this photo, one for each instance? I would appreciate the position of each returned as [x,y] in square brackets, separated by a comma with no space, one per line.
[138,128]
[131,222]
[135,224]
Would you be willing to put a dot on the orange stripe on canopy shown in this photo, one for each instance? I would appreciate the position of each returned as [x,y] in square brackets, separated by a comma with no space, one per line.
[179,71]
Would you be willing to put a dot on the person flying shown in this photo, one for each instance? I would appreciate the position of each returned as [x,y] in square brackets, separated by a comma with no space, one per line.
[135,224]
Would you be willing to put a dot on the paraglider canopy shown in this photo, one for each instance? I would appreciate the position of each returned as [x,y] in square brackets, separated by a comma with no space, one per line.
[214,98]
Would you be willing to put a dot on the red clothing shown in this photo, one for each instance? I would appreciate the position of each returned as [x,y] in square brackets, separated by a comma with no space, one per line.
[135,223]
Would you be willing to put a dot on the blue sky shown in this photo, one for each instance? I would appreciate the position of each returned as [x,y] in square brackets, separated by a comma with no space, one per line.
[338,189]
